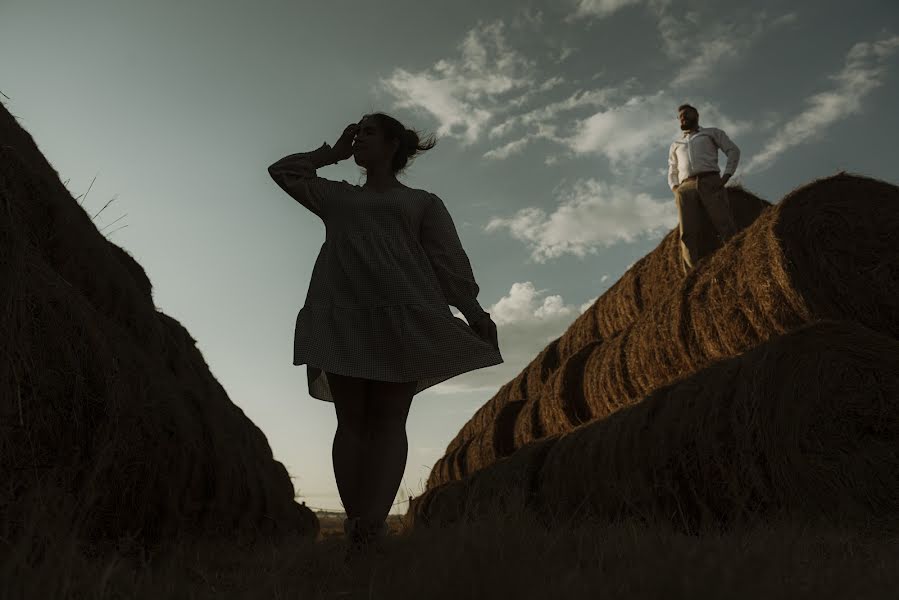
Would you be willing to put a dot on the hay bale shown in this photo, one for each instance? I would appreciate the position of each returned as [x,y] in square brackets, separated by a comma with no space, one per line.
[563,405]
[658,273]
[542,368]
[508,486]
[528,424]
[651,278]
[826,251]
[494,441]
[807,422]
[105,403]
[805,425]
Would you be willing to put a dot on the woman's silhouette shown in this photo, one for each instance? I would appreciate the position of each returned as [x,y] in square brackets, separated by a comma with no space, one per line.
[376,327]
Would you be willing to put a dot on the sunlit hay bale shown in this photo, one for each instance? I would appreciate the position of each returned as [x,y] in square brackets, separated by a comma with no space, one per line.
[807,422]
[582,331]
[658,273]
[827,250]
[528,423]
[563,406]
[651,278]
[541,369]
[494,441]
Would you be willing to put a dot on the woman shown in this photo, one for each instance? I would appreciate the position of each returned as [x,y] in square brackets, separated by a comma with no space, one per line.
[376,328]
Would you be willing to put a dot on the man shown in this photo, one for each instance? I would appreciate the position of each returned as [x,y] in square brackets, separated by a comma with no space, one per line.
[703,210]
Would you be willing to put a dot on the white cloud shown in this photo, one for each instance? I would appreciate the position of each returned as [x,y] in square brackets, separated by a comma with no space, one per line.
[640,126]
[527,319]
[707,55]
[464,93]
[599,8]
[513,147]
[591,214]
[863,72]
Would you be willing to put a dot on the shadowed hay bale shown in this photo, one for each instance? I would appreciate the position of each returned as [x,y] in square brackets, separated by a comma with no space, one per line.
[511,392]
[494,441]
[504,488]
[105,403]
[827,251]
[528,424]
[652,277]
[805,424]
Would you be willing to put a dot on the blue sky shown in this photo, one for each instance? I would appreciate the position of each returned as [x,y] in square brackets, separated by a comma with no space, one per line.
[553,121]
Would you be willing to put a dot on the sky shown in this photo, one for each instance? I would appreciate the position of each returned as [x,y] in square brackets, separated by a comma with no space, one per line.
[553,121]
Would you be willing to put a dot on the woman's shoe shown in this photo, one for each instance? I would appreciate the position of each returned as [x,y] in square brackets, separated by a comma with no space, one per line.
[364,538]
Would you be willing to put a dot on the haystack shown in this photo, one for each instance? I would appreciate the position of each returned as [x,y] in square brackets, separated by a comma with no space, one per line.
[827,251]
[651,278]
[106,404]
[804,425]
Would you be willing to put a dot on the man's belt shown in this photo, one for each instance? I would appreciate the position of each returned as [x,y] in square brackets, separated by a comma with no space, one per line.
[703,174]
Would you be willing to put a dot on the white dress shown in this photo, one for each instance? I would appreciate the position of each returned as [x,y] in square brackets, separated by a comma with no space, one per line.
[377,304]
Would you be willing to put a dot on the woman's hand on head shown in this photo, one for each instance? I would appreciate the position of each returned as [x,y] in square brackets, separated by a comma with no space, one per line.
[343,148]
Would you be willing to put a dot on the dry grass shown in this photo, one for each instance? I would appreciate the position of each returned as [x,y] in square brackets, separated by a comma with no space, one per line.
[501,556]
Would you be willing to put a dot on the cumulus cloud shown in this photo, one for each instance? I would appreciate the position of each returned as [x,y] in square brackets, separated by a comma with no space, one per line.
[696,43]
[591,214]
[701,45]
[527,319]
[463,93]
[599,8]
[642,125]
[863,71]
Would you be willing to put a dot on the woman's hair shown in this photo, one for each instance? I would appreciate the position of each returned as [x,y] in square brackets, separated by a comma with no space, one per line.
[410,143]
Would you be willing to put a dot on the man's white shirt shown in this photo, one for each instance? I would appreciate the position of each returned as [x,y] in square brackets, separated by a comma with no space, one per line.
[697,152]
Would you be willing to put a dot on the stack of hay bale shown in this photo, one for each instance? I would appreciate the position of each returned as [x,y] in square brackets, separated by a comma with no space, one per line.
[712,402]
[106,404]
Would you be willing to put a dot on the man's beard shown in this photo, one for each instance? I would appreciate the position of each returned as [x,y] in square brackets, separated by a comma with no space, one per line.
[688,126]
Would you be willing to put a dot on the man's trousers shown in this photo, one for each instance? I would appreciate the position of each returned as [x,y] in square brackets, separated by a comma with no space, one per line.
[705,217]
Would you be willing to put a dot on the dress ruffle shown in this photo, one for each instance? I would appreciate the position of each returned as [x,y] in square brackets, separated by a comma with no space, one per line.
[424,345]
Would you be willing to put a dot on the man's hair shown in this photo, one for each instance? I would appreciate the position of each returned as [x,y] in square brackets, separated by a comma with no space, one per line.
[683,106]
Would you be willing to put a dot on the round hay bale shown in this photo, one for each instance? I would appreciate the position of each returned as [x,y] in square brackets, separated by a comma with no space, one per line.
[807,422]
[584,330]
[651,278]
[106,404]
[528,426]
[804,426]
[825,251]
[563,405]
[507,487]
[493,442]
[541,368]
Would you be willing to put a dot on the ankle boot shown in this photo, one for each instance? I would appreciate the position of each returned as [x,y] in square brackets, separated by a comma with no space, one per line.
[364,537]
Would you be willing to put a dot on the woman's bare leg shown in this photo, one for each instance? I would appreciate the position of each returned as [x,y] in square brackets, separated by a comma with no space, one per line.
[349,445]
[387,407]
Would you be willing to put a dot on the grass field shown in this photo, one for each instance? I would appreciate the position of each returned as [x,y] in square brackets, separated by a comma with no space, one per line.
[508,557]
